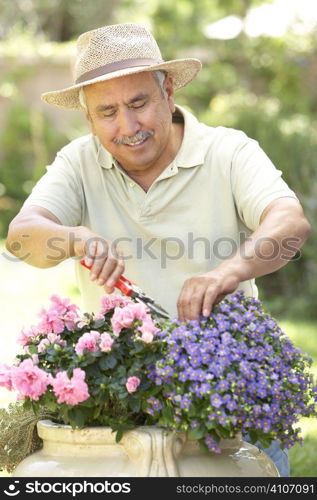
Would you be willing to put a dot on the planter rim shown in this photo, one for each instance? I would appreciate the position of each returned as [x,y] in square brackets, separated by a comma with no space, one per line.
[103,435]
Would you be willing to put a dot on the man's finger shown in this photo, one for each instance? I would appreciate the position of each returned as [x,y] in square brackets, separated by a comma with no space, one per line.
[195,303]
[116,254]
[115,275]
[209,300]
[106,271]
[183,301]
[90,252]
[101,255]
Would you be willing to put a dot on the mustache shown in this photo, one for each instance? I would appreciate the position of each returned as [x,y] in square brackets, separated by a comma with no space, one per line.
[139,136]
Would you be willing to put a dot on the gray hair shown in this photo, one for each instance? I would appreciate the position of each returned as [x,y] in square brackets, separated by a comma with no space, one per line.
[82,99]
[158,74]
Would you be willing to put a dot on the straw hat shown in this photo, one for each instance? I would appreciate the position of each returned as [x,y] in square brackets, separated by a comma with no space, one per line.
[114,51]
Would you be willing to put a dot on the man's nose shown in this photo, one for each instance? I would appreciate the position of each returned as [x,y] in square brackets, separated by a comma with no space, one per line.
[128,123]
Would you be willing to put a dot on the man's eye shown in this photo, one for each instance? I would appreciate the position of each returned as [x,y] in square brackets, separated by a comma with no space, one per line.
[138,105]
[109,115]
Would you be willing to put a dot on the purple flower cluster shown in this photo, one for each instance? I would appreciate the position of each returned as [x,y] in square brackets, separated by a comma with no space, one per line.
[234,372]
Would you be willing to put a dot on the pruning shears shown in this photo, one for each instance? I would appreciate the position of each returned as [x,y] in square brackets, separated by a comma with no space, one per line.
[130,289]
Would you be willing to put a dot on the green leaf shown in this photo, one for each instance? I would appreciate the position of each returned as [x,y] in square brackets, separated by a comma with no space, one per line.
[79,415]
[93,370]
[224,432]
[253,436]
[211,424]
[119,435]
[138,347]
[122,395]
[107,362]
[88,403]
[135,404]
[51,405]
[196,433]
[32,349]
[98,323]
[167,413]
[27,405]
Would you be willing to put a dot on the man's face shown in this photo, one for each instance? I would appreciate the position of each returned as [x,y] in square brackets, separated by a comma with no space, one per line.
[133,120]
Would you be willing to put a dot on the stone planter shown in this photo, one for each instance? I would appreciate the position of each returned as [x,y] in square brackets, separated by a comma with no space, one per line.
[142,452]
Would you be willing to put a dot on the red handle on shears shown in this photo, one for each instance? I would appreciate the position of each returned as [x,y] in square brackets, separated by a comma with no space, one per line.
[123,284]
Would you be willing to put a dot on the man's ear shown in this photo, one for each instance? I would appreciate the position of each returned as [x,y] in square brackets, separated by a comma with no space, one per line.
[169,89]
[89,120]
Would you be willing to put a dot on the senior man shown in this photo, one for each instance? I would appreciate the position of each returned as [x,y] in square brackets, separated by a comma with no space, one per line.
[189,212]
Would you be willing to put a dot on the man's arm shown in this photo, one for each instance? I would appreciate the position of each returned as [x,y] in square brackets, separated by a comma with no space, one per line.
[283,229]
[37,236]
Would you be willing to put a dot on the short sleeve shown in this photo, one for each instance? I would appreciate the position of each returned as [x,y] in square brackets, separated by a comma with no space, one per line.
[59,191]
[255,182]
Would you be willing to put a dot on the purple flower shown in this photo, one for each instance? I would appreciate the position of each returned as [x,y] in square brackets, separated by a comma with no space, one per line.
[223,419]
[183,376]
[155,403]
[231,405]
[212,444]
[204,389]
[237,371]
[222,385]
[216,400]
[185,402]
[194,424]
[266,426]
[195,361]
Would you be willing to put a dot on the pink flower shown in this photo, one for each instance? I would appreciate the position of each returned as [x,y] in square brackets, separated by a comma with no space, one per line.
[70,390]
[106,342]
[109,302]
[35,359]
[43,345]
[132,384]
[147,337]
[99,316]
[148,329]
[52,338]
[139,310]
[50,323]
[81,322]
[56,339]
[70,319]
[60,314]
[29,380]
[88,341]
[123,317]
[62,306]
[6,377]
[26,335]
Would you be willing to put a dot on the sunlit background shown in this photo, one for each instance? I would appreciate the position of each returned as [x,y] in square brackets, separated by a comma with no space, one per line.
[259,75]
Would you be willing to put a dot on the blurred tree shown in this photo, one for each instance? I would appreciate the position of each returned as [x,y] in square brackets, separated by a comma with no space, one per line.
[26,146]
[56,20]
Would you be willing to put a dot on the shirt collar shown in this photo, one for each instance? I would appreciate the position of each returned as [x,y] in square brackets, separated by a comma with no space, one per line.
[194,146]
[191,153]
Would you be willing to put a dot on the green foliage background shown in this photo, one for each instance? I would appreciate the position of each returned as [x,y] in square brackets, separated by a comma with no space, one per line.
[265,86]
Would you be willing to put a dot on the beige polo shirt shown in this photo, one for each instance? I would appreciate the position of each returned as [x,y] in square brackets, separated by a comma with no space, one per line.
[195,214]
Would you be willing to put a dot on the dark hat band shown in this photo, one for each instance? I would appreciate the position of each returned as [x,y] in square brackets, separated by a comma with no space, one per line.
[116,66]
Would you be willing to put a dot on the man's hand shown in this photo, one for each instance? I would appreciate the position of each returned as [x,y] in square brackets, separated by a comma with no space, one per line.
[102,256]
[200,293]
[281,221]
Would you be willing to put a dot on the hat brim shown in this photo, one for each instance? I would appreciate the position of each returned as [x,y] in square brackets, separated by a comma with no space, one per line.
[182,70]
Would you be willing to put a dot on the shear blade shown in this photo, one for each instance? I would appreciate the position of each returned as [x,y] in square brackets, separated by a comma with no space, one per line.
[155,308]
